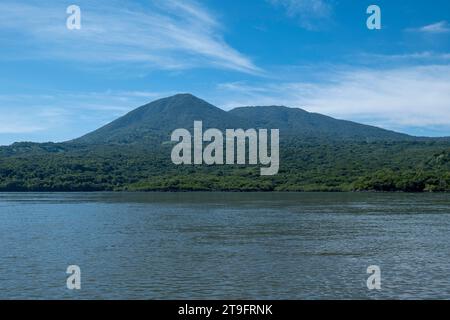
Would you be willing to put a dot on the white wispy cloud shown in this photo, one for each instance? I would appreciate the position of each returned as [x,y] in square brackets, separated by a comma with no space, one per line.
[396,98]
[436,28]
[161,34]
[411,57]
[15,126]
[308,12]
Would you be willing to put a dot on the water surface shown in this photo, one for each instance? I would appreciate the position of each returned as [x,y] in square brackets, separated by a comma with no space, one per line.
[224,245]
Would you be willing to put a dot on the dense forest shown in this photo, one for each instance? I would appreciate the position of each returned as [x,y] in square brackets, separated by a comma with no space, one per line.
[357,166]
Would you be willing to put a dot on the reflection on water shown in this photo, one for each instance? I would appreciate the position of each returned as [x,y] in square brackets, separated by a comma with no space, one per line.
[224,245]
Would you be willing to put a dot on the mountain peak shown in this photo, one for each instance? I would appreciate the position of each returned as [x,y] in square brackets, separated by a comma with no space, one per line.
[159,118]
[186,97]
[180,102]
[183,95]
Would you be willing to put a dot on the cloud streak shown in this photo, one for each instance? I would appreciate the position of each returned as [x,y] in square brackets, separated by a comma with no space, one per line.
[396,98]
[161,34]
[434,28]
[309,13]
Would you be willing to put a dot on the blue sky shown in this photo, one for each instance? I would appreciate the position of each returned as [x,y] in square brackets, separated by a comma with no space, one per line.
[57,84]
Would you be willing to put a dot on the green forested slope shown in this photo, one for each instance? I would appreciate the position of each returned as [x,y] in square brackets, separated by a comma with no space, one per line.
[381,166]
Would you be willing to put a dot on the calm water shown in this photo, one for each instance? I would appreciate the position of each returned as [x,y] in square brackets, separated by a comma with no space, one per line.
[222,245]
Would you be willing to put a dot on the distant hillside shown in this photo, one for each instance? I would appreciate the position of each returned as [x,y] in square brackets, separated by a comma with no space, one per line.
[300,123]
[155,121]
[317,153]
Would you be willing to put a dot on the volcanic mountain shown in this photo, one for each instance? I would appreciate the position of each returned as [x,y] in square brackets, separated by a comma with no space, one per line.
[156,120]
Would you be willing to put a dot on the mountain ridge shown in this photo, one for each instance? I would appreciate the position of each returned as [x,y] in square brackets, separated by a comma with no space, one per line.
[156,120]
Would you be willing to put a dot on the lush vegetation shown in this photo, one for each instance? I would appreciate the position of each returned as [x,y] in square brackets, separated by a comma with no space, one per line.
[416,166]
